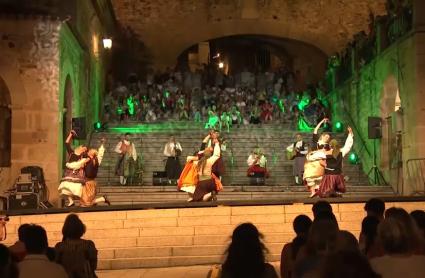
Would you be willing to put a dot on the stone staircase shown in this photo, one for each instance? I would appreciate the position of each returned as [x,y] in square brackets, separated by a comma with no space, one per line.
[272,138]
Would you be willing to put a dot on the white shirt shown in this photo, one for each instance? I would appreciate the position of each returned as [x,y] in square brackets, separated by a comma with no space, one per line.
[35,266]
[298,145]
[170,147]
[260,162]
[132,149]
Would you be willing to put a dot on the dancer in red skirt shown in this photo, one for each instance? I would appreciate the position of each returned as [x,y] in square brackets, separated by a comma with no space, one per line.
[332,184]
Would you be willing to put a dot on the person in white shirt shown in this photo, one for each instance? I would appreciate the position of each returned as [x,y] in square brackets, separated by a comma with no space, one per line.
[36,264]
[297,151]
[172,151]
[127,151]
[257,163]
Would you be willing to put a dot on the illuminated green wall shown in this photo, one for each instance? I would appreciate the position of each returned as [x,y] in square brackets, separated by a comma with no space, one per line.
[367,94]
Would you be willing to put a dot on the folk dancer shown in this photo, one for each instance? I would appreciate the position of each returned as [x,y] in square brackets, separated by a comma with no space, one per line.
[172,151]
[73,178]
[208,142]
[257,163]
[89,190]
[127,151]
[314,167]
[208,183]
[332,184]
[297,151]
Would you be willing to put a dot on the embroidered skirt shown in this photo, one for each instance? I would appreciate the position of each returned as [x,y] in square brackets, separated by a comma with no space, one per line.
[88,193]
[331,185]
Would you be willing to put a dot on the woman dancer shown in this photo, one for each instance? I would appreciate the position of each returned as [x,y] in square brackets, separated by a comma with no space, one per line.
[71,183]
[332,184]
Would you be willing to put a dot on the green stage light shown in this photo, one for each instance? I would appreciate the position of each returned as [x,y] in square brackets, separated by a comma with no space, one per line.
[353,158]
[97,126]
[339,127]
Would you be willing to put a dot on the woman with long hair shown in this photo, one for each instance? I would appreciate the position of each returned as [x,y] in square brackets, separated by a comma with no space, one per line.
[78,256]
[246,255]
[208,183]
[332,183]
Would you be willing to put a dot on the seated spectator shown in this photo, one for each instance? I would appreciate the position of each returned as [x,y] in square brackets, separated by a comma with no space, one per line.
[419,217]
[289,253]
[347,264]
[321,206]
[322,241]
[368,237]
[346,241]
[257,163]
[8,268]
[18,250]
[78,256]
[375,207]
[399,238]
[245,255]
[36,261]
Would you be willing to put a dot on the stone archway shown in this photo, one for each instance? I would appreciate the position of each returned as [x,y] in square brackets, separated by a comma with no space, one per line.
[390,113]
[5,126]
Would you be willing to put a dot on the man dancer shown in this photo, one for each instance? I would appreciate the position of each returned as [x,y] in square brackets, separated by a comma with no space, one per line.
[127,151]
[172,151]
[299,150]
[88,194]
[208,142]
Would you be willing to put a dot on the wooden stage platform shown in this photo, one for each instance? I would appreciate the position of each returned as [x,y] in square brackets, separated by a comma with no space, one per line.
[183,234]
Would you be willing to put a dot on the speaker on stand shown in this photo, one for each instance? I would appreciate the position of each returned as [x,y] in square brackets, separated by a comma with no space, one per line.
[374,131]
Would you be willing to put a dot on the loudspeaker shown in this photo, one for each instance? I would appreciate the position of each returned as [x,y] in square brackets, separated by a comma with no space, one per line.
[374,127]
[79,126]
[22,201]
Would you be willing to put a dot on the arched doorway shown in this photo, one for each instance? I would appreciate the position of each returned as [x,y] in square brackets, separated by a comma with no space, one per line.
[67,113]
[391,113]
[5,126]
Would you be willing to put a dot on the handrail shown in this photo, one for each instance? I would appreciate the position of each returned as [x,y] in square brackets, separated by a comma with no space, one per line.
[416,175]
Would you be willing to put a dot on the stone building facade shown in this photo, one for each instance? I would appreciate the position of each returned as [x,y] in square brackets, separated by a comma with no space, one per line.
[51,70]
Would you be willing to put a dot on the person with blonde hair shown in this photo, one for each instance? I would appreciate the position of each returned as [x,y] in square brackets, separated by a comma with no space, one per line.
[399,237]
[332,183]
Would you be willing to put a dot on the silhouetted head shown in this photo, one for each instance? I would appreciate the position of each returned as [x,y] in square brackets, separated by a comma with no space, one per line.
[73,227]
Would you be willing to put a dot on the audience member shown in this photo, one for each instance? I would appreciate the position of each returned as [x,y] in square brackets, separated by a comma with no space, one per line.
[78,256]
[368,237]
[419,217]
[321,206]
[399,238]
[322,241]
[36,262]
[347,264]
[346,241]
[246,255]
[375,207]
[18,250]
[8,268]
[289,253]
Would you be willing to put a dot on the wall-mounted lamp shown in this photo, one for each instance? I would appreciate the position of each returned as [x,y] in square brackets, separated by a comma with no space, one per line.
[107,43]
[221,65]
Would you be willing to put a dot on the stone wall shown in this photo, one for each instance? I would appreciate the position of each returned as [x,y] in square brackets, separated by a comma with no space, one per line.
[373,93]
[38,56]
[187,236]
[169,27]
[29,66]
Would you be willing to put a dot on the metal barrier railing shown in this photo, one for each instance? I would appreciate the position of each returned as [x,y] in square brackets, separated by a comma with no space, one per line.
[416,175]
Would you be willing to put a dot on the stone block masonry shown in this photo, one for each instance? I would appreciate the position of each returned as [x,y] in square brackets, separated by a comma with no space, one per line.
[186,236]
